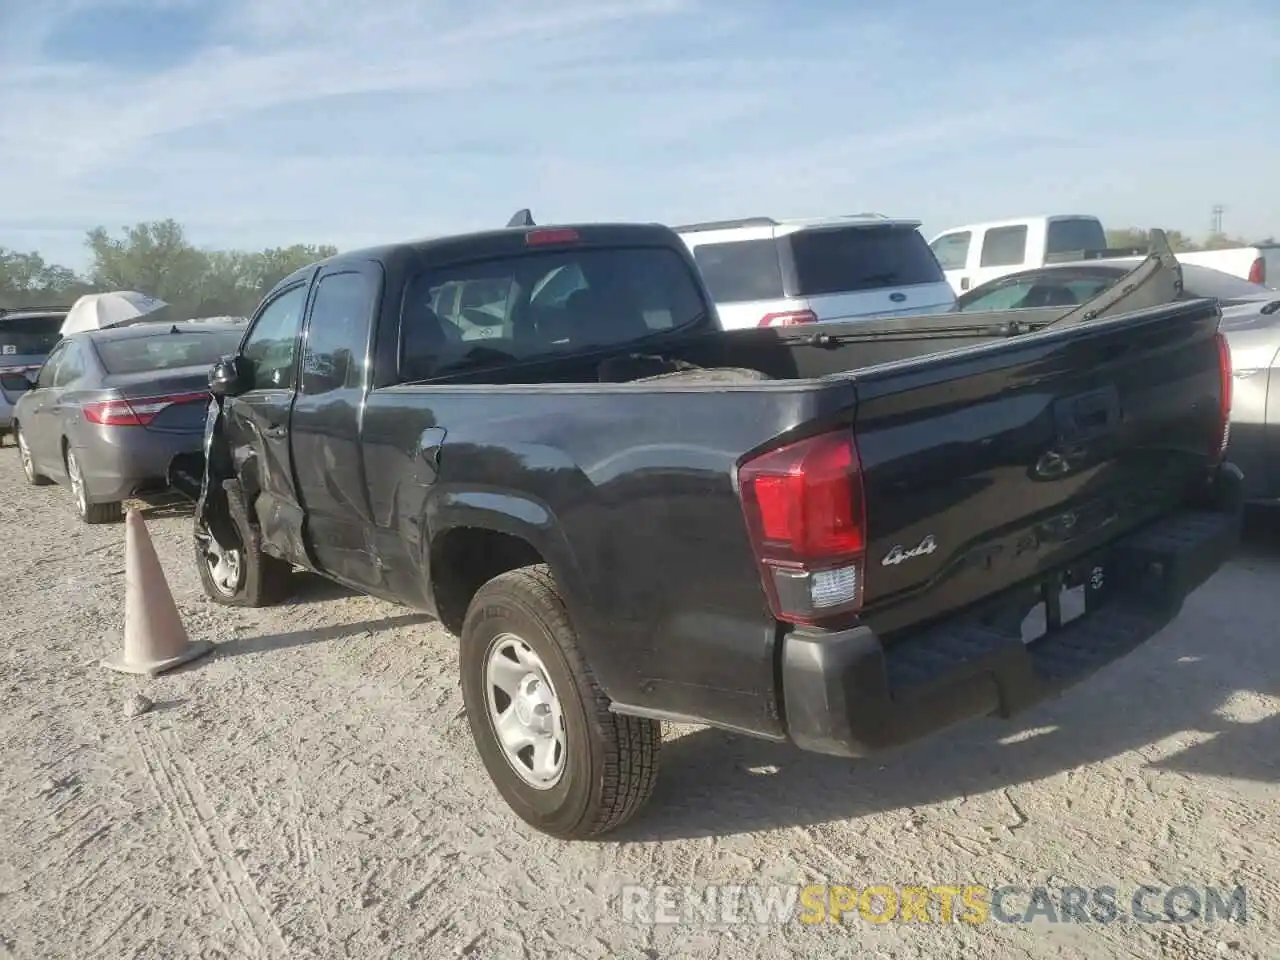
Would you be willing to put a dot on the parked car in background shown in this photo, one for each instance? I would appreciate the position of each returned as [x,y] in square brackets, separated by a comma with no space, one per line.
[27,334]
[1250,321]
[1069,284]
[978,253]
[119,412]
[1259,264]
[768,273]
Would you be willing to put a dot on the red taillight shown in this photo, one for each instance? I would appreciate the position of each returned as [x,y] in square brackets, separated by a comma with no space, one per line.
[788,319]
[1258,272]
[806,514]
[554,235]
[1225,375]
[137,412]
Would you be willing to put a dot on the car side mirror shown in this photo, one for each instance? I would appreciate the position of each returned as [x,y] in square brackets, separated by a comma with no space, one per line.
[15,383]
[229,377]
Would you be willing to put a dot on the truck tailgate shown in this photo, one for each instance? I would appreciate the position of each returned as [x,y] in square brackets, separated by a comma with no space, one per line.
[985,467]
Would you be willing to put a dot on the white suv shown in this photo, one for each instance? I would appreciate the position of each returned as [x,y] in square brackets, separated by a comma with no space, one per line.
[763,272]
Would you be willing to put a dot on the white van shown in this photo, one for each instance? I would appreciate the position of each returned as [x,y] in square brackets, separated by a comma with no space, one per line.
[763,272]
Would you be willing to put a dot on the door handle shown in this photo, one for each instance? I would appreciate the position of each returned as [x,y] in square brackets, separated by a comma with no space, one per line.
[274,432]
[964,283]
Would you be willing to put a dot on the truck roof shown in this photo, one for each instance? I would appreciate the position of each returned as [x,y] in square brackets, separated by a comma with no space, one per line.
[770,226]
[499,241]
[1019,221]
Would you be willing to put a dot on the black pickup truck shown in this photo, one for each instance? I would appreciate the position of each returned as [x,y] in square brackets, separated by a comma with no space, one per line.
[844,536]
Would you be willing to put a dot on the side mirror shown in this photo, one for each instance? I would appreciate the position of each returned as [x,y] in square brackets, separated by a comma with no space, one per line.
[15,383]
[229,377]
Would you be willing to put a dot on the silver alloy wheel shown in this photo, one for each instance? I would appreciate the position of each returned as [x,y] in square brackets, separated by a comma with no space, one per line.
[525,712]
[225,563]
[24,454]
[77,483]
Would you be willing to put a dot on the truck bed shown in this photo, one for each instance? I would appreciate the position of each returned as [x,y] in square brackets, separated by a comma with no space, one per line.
[629,489]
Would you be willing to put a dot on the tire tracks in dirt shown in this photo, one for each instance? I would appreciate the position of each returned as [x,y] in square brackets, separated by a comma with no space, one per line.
[182,796]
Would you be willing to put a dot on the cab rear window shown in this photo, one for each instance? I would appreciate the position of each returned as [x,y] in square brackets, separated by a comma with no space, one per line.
[495,311]
[855,259]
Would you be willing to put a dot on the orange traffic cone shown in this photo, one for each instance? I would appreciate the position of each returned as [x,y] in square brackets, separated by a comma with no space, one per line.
[154,638]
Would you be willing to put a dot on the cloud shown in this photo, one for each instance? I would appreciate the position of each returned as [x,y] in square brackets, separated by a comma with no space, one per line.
[358,122]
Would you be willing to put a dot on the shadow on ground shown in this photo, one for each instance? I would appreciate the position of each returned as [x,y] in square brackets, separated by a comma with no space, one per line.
[715,784]
[297,638]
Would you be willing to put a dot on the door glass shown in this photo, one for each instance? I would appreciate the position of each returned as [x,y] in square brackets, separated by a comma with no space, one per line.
[71,367]
[952,250]
[740,271]
[50,368]
[338,335]
[272,345]
[1005,296]
[1004,247]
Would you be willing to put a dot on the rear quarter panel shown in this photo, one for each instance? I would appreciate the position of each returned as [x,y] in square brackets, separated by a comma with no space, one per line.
[628,491]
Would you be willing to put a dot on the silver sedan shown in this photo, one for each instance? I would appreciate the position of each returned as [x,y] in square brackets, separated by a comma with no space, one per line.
[119,412]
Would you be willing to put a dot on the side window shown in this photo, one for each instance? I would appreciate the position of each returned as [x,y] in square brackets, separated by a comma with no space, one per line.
[71,367]
[1001,296]
[740,271]
[333,356]
[50,369]
[272,346]
[952,250]
[1004,247]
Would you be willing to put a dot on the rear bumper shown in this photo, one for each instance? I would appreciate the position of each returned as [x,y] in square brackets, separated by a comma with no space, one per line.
[138,464]
[846,694]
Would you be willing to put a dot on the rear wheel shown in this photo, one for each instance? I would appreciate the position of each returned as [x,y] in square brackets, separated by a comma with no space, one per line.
[112,512]
[28,464]
[240,574]
[560,759]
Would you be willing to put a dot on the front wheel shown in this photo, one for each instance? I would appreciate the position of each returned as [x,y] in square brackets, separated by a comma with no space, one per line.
[240,574]
[560,759]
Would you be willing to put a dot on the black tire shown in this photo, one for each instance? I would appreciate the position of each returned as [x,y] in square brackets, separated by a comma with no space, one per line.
[28,465]
[262,580]
[86,509]
[611,761]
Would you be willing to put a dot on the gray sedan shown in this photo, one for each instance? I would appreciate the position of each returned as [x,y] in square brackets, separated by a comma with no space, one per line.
[119,412]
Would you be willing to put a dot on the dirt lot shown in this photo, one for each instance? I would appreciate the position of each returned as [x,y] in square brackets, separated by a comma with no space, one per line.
[310,790]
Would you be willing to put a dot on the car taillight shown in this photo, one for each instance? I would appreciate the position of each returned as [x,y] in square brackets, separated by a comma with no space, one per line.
[1258,272]
[806,516]
[1224,375]
[137,412]
[788,319]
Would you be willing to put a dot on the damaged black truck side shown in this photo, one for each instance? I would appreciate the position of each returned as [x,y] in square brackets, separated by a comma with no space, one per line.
[845,536]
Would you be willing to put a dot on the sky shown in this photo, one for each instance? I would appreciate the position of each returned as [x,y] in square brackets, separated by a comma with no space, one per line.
[260,123]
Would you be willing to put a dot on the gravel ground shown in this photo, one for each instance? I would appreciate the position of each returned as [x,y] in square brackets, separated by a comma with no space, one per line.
[310,790]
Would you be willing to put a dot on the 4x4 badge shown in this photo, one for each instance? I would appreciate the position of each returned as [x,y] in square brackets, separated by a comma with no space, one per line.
[898,554]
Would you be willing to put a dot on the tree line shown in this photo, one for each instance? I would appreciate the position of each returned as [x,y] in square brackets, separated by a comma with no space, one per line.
[1180,242]
[156,258]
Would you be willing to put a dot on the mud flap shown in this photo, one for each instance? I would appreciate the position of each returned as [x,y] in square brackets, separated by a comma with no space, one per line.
[212,510]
